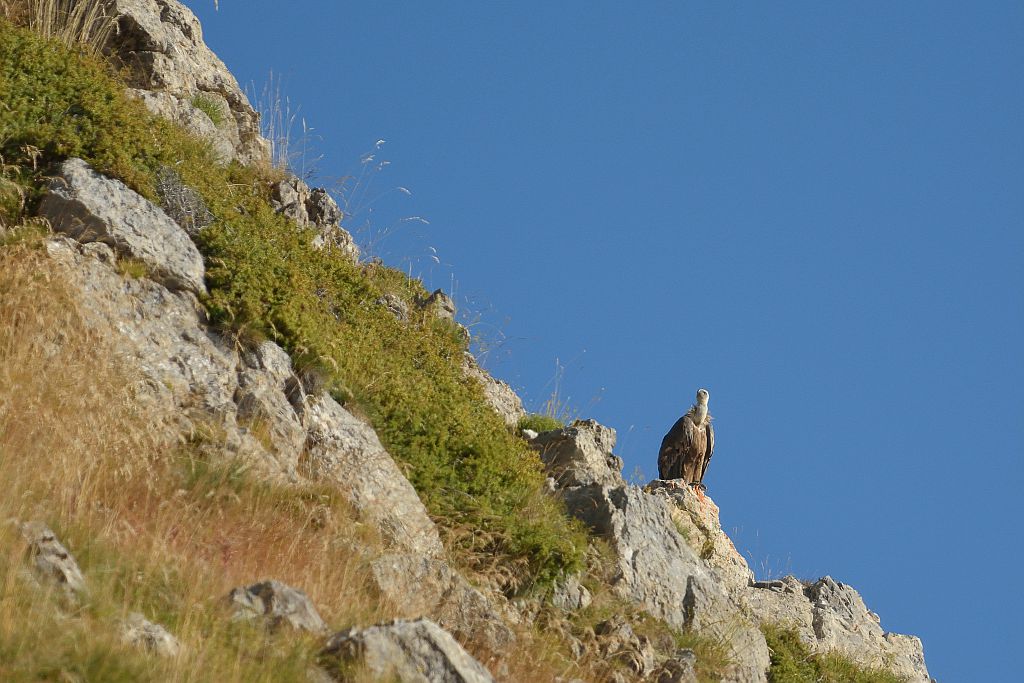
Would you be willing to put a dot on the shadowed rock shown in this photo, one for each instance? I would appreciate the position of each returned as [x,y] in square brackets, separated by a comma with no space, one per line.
[418,586]
[680,668]
[314,208]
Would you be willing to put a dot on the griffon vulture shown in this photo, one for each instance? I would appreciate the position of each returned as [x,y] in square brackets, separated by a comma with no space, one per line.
[687,448]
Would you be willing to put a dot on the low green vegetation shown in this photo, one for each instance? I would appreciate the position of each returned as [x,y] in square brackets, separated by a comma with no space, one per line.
[793,662]
[267,281]
[540,423]
[211,107]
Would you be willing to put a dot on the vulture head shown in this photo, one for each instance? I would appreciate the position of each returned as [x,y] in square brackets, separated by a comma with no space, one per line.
[701,406]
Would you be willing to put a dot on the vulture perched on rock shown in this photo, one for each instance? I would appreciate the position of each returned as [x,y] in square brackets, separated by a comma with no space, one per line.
[686,449]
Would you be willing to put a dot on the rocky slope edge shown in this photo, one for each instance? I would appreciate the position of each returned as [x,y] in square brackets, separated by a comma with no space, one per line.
[660,593]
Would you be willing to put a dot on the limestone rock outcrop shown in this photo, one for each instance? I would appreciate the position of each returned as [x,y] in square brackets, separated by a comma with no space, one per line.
[418,585]
[159,44]
[832,617]
[93,208]
[411,651]
[314,208]
[346,451]
[655,566]
[828,615]
[580,455]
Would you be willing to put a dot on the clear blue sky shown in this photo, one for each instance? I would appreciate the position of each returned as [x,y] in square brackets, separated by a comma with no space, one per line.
[815,210]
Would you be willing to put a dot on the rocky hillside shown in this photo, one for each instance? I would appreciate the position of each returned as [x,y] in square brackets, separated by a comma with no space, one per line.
[235,451]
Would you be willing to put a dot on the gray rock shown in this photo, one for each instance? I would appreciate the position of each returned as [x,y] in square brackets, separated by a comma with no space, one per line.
[162,335]
[314,208]
[440,304]
[279,604]
[571,595]
[90,207]
[138,631]
[50,559]
[658,570]
[498,394]
[160,45]
[342,449]
[293,198]
[580,455]
[698,517]
[396,306]
[412,651]
[265,379]
[831,616]
[416,586]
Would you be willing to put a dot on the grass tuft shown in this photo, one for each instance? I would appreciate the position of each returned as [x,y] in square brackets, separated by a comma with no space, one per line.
[81,24]
[540,423]
[212,107]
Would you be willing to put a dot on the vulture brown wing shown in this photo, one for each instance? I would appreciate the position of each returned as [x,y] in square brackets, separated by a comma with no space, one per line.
[674,448]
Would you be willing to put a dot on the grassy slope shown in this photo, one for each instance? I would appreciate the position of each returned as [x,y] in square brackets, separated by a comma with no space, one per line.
[266,279]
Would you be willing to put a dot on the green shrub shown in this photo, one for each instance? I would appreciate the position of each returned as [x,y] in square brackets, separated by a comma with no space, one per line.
[792,662]
[540,423]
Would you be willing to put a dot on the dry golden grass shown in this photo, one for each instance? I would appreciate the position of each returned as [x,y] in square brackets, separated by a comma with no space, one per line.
[160,526]
[83,23]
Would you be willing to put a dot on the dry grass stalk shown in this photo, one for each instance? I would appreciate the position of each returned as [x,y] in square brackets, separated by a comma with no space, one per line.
[86,23]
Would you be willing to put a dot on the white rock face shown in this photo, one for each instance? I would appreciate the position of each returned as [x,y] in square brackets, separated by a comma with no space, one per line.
[661,572]
[160,43]
[699,520]
[417,651]
[93,208]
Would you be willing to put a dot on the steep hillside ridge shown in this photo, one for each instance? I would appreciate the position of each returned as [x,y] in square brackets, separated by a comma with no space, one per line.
[283,383]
